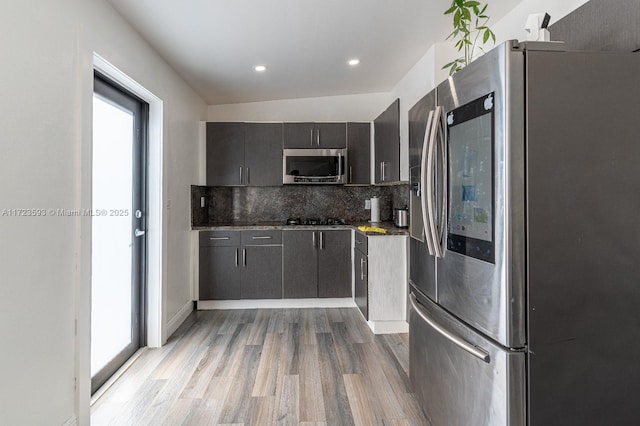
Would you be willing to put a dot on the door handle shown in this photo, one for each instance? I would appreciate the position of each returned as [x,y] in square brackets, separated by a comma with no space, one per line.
[317,137]
[311,137]
[138,232]
[457,340]
[424,171]
[218,238]
[321,240]
[241,168]
[248,176]
[244,257]
[237,258]
[314,239]
[261,238]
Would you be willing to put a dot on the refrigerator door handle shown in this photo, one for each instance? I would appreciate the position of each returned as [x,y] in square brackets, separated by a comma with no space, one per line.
[458,341]
[441,124]
[436,247]
[424,171]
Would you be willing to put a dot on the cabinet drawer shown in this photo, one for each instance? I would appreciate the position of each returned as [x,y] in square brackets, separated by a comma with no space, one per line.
[362,243]
[262,238]
[219,238]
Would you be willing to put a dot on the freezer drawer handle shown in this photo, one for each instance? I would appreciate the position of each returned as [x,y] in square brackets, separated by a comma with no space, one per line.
[463,344]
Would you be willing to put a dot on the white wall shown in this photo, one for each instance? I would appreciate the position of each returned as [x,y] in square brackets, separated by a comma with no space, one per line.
[364,107]
[45,159]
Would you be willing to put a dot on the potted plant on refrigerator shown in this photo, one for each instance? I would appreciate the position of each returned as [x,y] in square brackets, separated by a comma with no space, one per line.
[470,31]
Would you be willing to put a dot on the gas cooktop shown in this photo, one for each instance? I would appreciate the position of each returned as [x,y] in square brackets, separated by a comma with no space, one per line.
[315,221]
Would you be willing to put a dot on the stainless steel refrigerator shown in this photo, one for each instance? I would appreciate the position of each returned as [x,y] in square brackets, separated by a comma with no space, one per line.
[525,240]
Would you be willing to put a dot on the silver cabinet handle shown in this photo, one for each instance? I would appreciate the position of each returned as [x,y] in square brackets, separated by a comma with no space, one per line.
[366,268]
[361,269]
[318,137]
[237,258]
[138,232]
[321,240]
[350,174]
[381,171]
[241,168]
[314,239]
[311,137]
[457,340]
[218,238]
[248,176]
[260,237]
[244,257]
[384,171]
[340,166]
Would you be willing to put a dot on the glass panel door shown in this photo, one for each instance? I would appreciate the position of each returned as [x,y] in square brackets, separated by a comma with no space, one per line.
[118,238]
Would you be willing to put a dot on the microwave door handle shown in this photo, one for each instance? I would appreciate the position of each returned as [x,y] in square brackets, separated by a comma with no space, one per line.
[474,350]
[426,146]
[339,164]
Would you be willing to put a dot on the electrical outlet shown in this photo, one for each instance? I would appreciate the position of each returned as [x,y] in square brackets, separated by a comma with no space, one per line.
[367,204]
[202,203]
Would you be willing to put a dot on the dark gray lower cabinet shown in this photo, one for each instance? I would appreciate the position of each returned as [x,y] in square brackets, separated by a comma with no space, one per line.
[317,263]
[219,273]
[334,264]
[261,272]
[361,291]
[300,274]
[240,265]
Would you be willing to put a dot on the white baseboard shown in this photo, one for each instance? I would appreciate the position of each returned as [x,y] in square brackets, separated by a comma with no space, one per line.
[346,302]
[179,318]
[388,327]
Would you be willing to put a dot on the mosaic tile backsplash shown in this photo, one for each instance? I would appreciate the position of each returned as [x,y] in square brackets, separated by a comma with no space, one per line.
[276,204]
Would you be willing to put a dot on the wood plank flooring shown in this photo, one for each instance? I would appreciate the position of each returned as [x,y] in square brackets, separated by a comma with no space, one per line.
[267,367]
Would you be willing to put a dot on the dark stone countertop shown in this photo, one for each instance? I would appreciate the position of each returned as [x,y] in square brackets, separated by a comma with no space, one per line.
[260,226]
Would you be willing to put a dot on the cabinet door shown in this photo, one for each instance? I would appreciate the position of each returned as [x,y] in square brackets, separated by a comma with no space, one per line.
[261,272]
[334,264]
[263,154]
[300,269]
[387,144]
[225,154]
[359,153]
[331,135]
[361,295]
[299,135]
[219,273]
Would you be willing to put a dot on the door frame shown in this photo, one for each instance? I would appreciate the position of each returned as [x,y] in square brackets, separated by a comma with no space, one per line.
[155,324]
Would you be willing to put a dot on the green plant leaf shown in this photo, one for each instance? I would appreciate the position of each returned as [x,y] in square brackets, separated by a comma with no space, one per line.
[485,36]
[459,3]
[484,9]
[472,4]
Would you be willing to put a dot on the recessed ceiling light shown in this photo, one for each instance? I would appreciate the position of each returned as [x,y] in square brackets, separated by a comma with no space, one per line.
[354,62]
[260,68]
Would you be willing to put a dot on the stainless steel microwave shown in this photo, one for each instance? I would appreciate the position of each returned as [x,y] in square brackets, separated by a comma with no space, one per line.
[314,166]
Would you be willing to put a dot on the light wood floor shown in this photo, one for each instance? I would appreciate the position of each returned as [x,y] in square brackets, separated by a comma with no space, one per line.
[264,367]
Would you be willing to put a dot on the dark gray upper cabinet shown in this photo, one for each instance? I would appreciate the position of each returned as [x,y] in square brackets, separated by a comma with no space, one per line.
[300,273]
[600,25]
[315,135]
[263,154]
[244,154]
[387,144]
[225,154]
[418,115]
[334,264]
[359,153]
